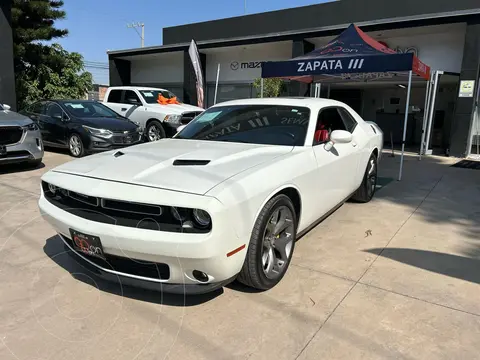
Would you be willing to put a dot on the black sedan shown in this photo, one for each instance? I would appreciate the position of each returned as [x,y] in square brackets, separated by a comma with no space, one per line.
[82,126]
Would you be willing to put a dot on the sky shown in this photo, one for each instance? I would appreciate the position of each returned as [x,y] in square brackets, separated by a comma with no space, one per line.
[96,26]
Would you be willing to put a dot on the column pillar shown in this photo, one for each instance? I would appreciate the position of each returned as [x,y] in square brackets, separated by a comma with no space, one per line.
[463,116]
[299,48]
[119,72]
[7,74]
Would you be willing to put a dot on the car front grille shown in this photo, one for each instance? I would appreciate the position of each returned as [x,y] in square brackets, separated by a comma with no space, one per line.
[119,213]
[126,265]
[189,116]
[15,154]
[126,138]
[10,135]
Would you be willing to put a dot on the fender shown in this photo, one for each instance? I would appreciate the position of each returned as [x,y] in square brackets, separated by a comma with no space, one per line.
[279,189]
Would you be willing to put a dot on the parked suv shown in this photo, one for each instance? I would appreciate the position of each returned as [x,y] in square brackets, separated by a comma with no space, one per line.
[158,111]
[20,138]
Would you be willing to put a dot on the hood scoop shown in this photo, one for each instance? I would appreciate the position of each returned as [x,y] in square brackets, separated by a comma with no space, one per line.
[186,162]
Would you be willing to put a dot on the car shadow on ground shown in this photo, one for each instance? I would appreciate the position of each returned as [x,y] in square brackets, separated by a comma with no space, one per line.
[58,150]
[459,267]
[19,167]
[55,249]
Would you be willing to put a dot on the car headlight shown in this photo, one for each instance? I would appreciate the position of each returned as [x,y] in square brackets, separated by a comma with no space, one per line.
[201,217]
[173,119]
[98,132]
[30,127]
[196,218]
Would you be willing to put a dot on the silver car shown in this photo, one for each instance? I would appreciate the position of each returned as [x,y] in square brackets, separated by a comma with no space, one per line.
[20,138]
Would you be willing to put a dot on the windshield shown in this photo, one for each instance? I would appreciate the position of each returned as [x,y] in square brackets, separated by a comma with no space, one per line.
[255,124]
[151,96]
[89,109]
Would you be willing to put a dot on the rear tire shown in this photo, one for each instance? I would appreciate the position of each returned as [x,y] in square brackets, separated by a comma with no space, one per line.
[154,131]
[271,244]
[369,184]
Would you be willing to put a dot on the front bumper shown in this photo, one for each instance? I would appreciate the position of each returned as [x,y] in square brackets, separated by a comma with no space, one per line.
[29,148]
[182,252]
[128,280]
[99,144]
[170,128]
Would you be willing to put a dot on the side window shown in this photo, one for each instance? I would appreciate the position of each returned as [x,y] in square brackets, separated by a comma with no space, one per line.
[132,98]
[38,108]
[348,120]
[54,111]
[115,96]
[329,119]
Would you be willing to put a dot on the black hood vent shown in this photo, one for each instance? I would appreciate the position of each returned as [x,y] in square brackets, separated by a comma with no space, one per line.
[186,162]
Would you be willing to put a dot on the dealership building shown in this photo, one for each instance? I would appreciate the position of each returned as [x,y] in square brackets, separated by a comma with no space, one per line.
[444,34]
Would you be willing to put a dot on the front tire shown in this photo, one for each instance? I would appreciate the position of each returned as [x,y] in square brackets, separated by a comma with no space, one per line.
[75,146]
[369,184]
[154,131]
[271,244]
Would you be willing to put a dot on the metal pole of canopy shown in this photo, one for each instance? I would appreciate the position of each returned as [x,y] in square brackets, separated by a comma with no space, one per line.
[407,105]
[426,111]
[216,84]
[261,87]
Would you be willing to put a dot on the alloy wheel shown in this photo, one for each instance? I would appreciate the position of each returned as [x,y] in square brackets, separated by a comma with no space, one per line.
[277,242]
[371,177]
[75,145]
[153,133]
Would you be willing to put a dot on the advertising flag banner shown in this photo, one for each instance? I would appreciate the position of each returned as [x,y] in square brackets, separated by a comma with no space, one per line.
[197,67]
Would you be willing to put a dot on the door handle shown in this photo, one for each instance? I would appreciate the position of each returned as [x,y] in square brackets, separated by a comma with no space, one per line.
[124,109]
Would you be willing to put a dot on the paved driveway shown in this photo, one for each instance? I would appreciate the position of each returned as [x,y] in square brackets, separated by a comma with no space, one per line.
[396,278]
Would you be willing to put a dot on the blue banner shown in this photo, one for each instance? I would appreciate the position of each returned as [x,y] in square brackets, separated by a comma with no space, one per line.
[331,65]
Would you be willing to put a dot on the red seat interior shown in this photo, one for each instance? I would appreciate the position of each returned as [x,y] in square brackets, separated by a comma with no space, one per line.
[321,135]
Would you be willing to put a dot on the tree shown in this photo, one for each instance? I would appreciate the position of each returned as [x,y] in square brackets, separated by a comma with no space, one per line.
[66,82]
[272,87]
[44,70]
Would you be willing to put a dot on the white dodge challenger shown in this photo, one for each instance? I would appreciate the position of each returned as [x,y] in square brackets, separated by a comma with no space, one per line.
[224,199]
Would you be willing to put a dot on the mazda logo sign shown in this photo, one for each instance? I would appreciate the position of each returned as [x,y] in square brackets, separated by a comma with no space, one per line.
[234,65]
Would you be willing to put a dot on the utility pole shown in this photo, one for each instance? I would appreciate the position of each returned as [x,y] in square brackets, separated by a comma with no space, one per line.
[134,26]
[245,6]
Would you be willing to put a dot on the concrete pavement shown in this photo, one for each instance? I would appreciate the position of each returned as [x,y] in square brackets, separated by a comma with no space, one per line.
[398,277]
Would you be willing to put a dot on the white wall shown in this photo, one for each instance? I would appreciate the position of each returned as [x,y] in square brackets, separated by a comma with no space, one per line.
[157,69]
[438,46]
[243,54]
[442,51]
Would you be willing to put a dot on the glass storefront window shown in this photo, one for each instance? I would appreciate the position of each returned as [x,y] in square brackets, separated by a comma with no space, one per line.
[227,92]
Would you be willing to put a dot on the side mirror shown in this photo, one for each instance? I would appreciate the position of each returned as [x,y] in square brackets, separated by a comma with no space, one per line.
[6,107]
[338,137]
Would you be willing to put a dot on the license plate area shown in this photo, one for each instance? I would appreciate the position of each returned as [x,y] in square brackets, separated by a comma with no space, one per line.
[89,245]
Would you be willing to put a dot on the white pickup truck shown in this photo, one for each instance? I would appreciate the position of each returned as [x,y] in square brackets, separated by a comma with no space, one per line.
[158,119]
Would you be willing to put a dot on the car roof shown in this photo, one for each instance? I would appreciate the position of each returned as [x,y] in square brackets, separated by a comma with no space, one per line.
[135,88]
[63,101]
[290,101]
